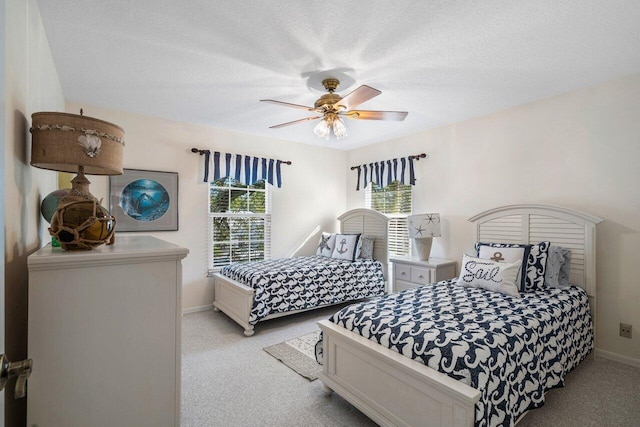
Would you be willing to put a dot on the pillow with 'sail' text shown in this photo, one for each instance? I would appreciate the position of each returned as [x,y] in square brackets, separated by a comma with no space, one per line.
[490,275]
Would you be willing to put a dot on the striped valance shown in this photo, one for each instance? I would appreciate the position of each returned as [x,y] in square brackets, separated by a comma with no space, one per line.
[385,172]
[245,169]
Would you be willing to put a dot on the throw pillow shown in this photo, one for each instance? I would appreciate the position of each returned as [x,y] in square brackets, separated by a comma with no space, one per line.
[365,247]
[490,275]
[346,246]
[558,266]
[326,244]
[534,261]
[508,254]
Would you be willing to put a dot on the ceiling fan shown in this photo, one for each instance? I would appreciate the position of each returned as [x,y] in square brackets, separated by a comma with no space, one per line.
[331,108]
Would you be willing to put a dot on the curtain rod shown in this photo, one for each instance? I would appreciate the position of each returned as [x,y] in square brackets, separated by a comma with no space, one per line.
[415,157]
[201,152]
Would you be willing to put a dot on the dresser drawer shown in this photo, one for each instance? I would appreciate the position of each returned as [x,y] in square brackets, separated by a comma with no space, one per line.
[420,275]
[402,272]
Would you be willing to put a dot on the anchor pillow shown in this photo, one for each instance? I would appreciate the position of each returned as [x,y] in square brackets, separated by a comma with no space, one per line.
[346,246]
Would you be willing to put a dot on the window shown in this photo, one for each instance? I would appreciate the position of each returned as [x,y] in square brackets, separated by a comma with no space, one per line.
[394,201]
[240,222]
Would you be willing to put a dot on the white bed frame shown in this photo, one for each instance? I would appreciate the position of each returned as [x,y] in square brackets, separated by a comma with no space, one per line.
[394,390]
[236,299]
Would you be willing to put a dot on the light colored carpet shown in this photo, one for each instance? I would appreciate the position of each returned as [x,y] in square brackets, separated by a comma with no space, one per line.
[299,354]
[228,380]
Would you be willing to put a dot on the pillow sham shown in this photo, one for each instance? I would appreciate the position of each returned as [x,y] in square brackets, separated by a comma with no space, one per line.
[558,267]
[346,246]
[365,247]
[326,244]
[491,275]
[509,254]
[534,263]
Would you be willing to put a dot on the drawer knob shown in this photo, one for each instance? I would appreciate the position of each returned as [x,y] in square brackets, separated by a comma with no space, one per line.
[421,276]
[403,273]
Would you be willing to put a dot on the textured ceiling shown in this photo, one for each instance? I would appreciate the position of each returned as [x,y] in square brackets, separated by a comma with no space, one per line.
[209,62]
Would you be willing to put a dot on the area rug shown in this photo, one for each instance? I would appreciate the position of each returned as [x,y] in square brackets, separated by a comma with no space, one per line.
[299,355]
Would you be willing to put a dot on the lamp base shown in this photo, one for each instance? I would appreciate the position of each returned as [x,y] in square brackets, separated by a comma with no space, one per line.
[80,222]
[423,247]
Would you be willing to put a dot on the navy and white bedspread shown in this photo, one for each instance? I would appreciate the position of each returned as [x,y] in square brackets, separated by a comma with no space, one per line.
[287,284]
[511,349]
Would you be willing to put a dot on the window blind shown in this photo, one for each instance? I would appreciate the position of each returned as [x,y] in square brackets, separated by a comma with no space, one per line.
[394,201]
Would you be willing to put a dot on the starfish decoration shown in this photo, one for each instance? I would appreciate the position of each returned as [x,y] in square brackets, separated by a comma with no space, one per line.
[324,243]
[419,230]
[432,218]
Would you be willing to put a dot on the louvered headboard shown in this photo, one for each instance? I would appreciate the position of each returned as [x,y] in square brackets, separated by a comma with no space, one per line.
[564,227]
[372,223]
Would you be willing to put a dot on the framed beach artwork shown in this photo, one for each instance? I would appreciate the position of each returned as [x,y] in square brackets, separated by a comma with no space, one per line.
[144,200]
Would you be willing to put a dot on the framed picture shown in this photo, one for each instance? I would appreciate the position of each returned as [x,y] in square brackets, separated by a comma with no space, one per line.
[144,200]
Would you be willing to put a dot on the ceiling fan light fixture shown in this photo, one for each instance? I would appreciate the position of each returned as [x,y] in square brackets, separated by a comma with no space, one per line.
[339,128]
[331,106]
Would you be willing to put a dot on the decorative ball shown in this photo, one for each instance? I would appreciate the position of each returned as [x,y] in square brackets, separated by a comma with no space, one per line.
[50,203]
[82,224]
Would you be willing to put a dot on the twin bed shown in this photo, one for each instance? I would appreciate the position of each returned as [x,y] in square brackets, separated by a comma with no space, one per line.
[499,353]
[256,291]
[444,354]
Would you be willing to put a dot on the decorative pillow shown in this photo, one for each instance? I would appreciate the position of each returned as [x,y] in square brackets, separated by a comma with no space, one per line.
[536,265]
[365,247]
[557,269]
[490,275]
[346,246]
[565,270]
[533,262]
[508,254]
[326,244]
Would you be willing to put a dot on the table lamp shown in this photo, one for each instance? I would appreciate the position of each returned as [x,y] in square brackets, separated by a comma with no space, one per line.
[76,143]
[422,229]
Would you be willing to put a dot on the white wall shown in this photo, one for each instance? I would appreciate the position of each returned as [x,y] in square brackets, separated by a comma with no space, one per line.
[579,150]
[31,84]
[313,193]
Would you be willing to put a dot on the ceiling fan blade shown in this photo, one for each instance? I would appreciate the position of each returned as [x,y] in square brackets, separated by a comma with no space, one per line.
[358,96]
[295,122]
[376,115]
[287,104]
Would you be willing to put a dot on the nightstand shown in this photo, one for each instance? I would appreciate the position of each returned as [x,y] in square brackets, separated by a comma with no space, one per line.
[411,273]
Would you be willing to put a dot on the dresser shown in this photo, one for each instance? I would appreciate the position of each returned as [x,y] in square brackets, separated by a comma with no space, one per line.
[411,273]
[104,335]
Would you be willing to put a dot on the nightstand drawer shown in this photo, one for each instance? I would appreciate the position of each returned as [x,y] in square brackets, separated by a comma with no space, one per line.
[402,272]
[420,275]
[410,273]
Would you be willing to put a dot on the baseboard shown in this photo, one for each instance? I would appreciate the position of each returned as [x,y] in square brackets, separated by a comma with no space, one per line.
[618,358]
[197,309]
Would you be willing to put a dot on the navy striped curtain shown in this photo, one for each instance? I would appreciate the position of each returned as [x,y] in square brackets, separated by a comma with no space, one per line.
[245,169]
[385,172]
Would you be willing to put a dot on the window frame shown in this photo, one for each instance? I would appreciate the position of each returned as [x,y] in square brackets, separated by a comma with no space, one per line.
[229,186]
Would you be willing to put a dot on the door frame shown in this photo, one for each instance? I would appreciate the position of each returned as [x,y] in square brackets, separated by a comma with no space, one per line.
[3,134]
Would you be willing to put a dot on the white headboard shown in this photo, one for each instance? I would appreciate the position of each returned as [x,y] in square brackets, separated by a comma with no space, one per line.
[371,223]
[564,227]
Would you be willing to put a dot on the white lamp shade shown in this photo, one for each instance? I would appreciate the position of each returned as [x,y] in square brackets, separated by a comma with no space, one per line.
[424,225]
